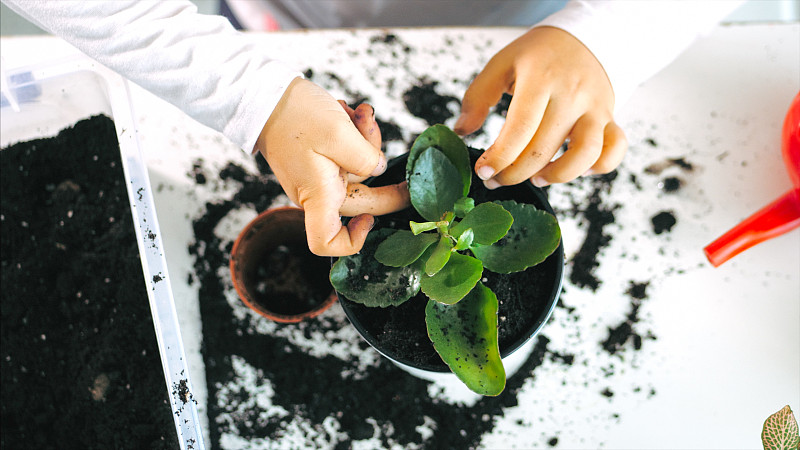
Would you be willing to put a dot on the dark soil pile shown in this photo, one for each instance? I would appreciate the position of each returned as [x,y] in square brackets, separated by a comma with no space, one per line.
[80,364]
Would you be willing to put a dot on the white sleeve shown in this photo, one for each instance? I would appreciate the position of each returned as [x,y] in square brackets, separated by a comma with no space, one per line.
[199,63]
[635,39]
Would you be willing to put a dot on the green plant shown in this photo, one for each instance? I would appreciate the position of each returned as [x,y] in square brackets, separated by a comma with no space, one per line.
[445,257]
[780,431]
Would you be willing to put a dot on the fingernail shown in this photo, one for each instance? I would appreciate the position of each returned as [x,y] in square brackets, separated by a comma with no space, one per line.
[459,124]
[587,173]
[485,172]
[491,184]
[539,182]
[380,168]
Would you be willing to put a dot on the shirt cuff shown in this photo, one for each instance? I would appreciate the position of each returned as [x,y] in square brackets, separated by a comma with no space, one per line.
[257,104]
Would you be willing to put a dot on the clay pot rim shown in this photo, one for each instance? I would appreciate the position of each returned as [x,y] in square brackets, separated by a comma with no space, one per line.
[239,284]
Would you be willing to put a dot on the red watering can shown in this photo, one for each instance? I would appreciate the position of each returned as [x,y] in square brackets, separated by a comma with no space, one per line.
[778,217]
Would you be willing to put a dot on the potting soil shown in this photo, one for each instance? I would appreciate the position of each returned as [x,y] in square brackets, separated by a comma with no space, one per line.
[80,364]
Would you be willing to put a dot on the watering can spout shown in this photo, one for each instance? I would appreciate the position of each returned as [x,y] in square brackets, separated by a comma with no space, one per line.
[778,217]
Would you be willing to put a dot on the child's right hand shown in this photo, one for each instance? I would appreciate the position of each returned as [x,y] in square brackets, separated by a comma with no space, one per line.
[314,145]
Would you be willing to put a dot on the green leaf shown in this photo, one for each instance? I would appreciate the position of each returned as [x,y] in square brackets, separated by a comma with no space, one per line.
[454,281]
[434,185]
[463,206]
[418,228]
[362,279]
[780,431]
[533,236]
[465,239]
[465,336]
[449,143]
[439,257]
[403,248]
[489,221]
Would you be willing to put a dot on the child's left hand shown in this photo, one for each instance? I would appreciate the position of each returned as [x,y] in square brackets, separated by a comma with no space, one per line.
[560,91]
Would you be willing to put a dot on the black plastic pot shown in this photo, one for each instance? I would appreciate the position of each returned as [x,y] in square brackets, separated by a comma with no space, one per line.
[536,292]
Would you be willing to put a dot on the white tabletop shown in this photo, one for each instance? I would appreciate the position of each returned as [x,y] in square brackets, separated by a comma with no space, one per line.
[721,346]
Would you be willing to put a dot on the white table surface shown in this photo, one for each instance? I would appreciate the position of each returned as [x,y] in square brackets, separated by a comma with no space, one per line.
[727,347]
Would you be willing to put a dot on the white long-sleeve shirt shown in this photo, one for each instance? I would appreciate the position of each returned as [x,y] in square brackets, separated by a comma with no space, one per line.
[222,79]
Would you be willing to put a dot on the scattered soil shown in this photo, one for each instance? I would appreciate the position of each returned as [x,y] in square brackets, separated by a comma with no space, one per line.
[625,333]
[663,222]
[424,102]
[597,215]
[80,364]
[671,184]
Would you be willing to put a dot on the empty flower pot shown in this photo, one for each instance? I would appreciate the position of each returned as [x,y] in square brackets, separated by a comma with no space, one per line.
[274,272]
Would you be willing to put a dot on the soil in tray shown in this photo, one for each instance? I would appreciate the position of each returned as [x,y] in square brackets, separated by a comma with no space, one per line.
[80,365]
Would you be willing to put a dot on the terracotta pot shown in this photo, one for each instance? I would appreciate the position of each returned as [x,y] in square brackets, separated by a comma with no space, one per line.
[273,271]
[371,322]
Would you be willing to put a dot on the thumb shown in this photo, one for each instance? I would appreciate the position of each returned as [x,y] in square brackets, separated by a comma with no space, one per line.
[353,153]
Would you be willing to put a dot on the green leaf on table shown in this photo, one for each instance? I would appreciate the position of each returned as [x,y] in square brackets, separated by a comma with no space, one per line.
[448,142]
[433,185]
[439,257]
[465,336]
[780,431]
[454,281]
[362,279]
[489,222]
[403,248]
[533,236]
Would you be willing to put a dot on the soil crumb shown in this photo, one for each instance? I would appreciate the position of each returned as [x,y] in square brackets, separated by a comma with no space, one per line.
[663,222]
[424,102]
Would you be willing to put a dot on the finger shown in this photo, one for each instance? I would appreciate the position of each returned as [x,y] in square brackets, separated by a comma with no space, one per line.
[552,131]
[364,120]
[615,145]
[483,93]
[585,146]
[352,152]
[376,201]
[350,111]
[525,114]
[325,233]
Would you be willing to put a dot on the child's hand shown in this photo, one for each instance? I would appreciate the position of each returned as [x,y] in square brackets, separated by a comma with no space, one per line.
[312,147]
[559,91]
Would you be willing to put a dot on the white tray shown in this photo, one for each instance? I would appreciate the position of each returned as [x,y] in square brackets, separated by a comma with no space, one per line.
[39,101]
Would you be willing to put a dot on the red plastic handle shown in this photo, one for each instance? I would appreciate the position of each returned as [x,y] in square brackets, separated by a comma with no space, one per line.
[778,217]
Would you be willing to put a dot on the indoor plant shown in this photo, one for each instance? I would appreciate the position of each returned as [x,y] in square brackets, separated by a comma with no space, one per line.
[445,255]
